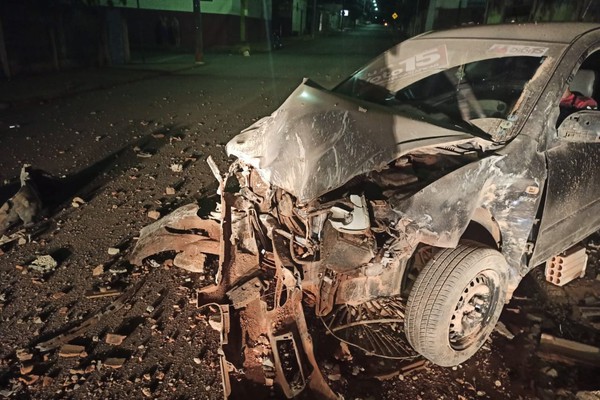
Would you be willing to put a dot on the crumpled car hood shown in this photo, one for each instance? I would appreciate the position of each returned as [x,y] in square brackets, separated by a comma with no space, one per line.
[318,140]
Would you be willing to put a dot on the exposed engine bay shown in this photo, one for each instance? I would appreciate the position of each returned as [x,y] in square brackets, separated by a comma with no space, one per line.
[343,262]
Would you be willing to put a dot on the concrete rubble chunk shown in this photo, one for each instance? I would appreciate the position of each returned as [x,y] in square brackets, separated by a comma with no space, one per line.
[113,251]
[43,264]
[114,363]
[26,368]
[176,167]
[25,206]
[77,202]
[29,379]
[584,395]
[20,237]
[114,339]
[504,331]
[71,351]
[24,355]
[153,214]
[99,270]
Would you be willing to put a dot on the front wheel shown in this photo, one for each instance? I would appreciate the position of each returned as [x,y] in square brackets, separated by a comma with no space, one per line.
[456,302]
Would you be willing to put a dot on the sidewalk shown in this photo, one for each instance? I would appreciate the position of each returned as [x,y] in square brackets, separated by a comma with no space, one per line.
[22,91]
[33,89]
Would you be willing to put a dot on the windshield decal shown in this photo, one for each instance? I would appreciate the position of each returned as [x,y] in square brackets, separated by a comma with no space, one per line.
[517,50]
[430,59]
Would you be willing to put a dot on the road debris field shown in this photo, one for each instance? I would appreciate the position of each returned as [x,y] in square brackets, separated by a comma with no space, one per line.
[356,243]
[162,319]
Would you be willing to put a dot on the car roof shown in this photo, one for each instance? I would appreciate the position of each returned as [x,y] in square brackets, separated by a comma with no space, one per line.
[548,32]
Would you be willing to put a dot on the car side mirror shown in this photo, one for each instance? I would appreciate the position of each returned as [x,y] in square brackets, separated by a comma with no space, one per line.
[581,126]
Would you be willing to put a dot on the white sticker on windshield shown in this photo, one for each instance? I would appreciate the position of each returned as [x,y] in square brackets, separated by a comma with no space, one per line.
[430,59]
[518,50]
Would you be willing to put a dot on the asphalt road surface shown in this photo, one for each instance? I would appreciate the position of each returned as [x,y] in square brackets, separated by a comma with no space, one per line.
[221,97]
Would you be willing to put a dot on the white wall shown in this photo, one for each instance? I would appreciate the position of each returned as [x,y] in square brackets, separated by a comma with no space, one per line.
[232,7]
[299,15]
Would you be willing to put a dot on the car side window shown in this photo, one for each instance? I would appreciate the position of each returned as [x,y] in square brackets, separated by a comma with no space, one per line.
[581,92]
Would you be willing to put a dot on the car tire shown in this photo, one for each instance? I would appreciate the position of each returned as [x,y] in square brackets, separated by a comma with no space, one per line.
[455,303]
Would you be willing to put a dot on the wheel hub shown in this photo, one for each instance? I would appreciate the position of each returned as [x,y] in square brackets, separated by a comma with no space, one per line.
[473,310]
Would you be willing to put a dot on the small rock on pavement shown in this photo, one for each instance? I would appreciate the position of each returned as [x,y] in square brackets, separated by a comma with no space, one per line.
[114,363]
[334,377]
[170,190]
[114,339]
[72,350]
[343,353]
[24,355]
[43,264]
[153,214]
[26,368]
[29,379]
[99,270]
[176,167]
[113,251]
[77,201]
[147,392]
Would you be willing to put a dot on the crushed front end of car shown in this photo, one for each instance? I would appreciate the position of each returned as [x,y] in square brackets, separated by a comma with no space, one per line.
[310,253]
[334,208]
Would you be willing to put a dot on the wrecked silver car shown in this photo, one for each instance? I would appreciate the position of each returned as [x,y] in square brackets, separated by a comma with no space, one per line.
[407,202]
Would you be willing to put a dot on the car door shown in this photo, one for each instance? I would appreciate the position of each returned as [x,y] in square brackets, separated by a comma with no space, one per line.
[572,200]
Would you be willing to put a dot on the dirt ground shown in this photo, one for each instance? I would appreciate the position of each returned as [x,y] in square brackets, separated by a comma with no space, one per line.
[136,331]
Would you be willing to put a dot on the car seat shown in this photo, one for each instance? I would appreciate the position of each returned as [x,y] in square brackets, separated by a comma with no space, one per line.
[584,82]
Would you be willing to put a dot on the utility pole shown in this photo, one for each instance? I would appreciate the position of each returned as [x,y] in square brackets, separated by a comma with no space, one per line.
[198,27]
[314,19]
[141,32]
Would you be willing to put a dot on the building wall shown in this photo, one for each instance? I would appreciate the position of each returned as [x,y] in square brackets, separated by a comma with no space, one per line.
[442,14]
[145,31]
[221,7]
[220,22]
[299,16]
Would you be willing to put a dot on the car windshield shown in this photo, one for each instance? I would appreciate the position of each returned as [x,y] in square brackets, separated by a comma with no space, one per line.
[452,82]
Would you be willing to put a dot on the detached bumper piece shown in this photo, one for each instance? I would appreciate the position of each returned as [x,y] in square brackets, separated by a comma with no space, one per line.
[567,266]
[268,348]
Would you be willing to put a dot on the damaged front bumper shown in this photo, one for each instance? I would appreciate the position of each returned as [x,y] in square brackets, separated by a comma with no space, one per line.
[275,261]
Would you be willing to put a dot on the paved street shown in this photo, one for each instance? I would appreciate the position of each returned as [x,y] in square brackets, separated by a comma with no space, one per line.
[216,100]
